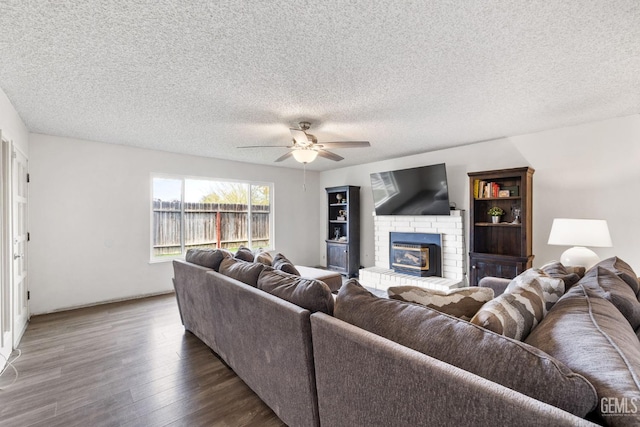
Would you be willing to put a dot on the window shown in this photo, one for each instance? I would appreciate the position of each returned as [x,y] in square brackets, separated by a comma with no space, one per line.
[384,187]
[203,213]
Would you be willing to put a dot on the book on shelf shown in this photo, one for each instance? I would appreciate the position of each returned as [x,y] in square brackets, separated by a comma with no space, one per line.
[481,189]
[486,190]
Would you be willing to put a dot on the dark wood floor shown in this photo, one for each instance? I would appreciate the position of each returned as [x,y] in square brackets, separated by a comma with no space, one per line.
[123,364]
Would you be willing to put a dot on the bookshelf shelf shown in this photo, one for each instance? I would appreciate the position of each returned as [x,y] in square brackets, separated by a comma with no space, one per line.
[499,198]
[500,224]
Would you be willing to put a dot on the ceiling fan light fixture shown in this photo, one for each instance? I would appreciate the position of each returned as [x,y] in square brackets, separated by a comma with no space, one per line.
[305,156]
[304,147]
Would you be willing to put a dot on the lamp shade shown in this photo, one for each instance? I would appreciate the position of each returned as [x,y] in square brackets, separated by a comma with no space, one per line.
[305,155]
[580,232]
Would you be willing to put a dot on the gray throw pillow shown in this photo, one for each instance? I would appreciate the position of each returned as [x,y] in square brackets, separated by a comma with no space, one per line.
[588,334]
[511,363]
[263,257]
[611,287]
[313,295]
[245,254]
[207,257]
[280,262]
[246,272]
[619,268]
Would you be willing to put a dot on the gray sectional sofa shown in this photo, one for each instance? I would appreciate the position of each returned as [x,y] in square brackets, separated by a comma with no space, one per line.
[265,339]
[367,360]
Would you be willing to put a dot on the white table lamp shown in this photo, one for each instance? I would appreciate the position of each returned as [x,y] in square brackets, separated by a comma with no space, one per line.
[580,233]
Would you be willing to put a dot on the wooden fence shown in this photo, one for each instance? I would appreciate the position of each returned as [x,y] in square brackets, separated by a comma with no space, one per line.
[207,225]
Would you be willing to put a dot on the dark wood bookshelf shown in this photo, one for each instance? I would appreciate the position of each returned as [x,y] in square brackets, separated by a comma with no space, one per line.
[343,253]
[501,249]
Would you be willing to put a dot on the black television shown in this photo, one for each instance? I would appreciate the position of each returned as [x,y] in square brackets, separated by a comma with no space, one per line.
[415,191]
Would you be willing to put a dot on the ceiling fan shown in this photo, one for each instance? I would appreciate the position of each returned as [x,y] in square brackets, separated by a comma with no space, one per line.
[305,147]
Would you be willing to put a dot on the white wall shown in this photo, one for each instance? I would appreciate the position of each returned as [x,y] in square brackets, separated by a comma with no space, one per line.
[586,171]
[90,218]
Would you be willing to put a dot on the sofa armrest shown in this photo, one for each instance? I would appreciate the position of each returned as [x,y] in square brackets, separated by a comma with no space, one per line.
[498,284]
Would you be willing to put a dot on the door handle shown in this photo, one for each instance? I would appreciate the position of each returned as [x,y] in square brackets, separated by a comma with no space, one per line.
[16,256]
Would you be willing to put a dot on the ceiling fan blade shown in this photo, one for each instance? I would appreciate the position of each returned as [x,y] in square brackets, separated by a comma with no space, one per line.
[345,144]
[329,155]
[265,146]
[285,156]
[299,136]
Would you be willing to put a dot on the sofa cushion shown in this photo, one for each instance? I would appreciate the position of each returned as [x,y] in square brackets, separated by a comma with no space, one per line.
[619,268]
[280,262]
[210,258]
[263,257]
[313,295]
[245,254]
[557,270]
[521,367]
[460,302]
[588,334]
[611,287]
[514,313]
[552,288]
[246,272]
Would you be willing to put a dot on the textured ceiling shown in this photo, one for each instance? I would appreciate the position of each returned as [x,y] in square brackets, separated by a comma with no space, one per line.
[409,76]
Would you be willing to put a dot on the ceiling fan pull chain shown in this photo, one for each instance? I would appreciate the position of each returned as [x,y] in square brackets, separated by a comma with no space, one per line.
[304,176]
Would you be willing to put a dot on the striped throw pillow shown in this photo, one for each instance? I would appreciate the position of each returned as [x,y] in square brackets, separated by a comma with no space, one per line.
[515,313]
[461,302]
[552,288]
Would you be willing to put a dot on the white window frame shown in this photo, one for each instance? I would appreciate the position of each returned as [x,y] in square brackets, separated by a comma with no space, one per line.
[183,178]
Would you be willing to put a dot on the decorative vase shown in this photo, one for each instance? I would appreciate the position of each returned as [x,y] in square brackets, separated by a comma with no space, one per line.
[495,219]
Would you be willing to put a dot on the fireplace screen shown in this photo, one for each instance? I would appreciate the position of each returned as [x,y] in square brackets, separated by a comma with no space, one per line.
[417,259]
[414,256]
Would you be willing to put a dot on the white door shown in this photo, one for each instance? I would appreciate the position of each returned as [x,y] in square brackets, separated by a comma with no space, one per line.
[6,249]
[19,234]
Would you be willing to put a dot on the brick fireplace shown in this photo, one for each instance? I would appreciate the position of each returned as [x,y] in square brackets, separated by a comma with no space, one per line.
[450,234]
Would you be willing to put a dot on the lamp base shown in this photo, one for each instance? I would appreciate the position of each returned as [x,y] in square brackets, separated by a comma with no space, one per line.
[579,256]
